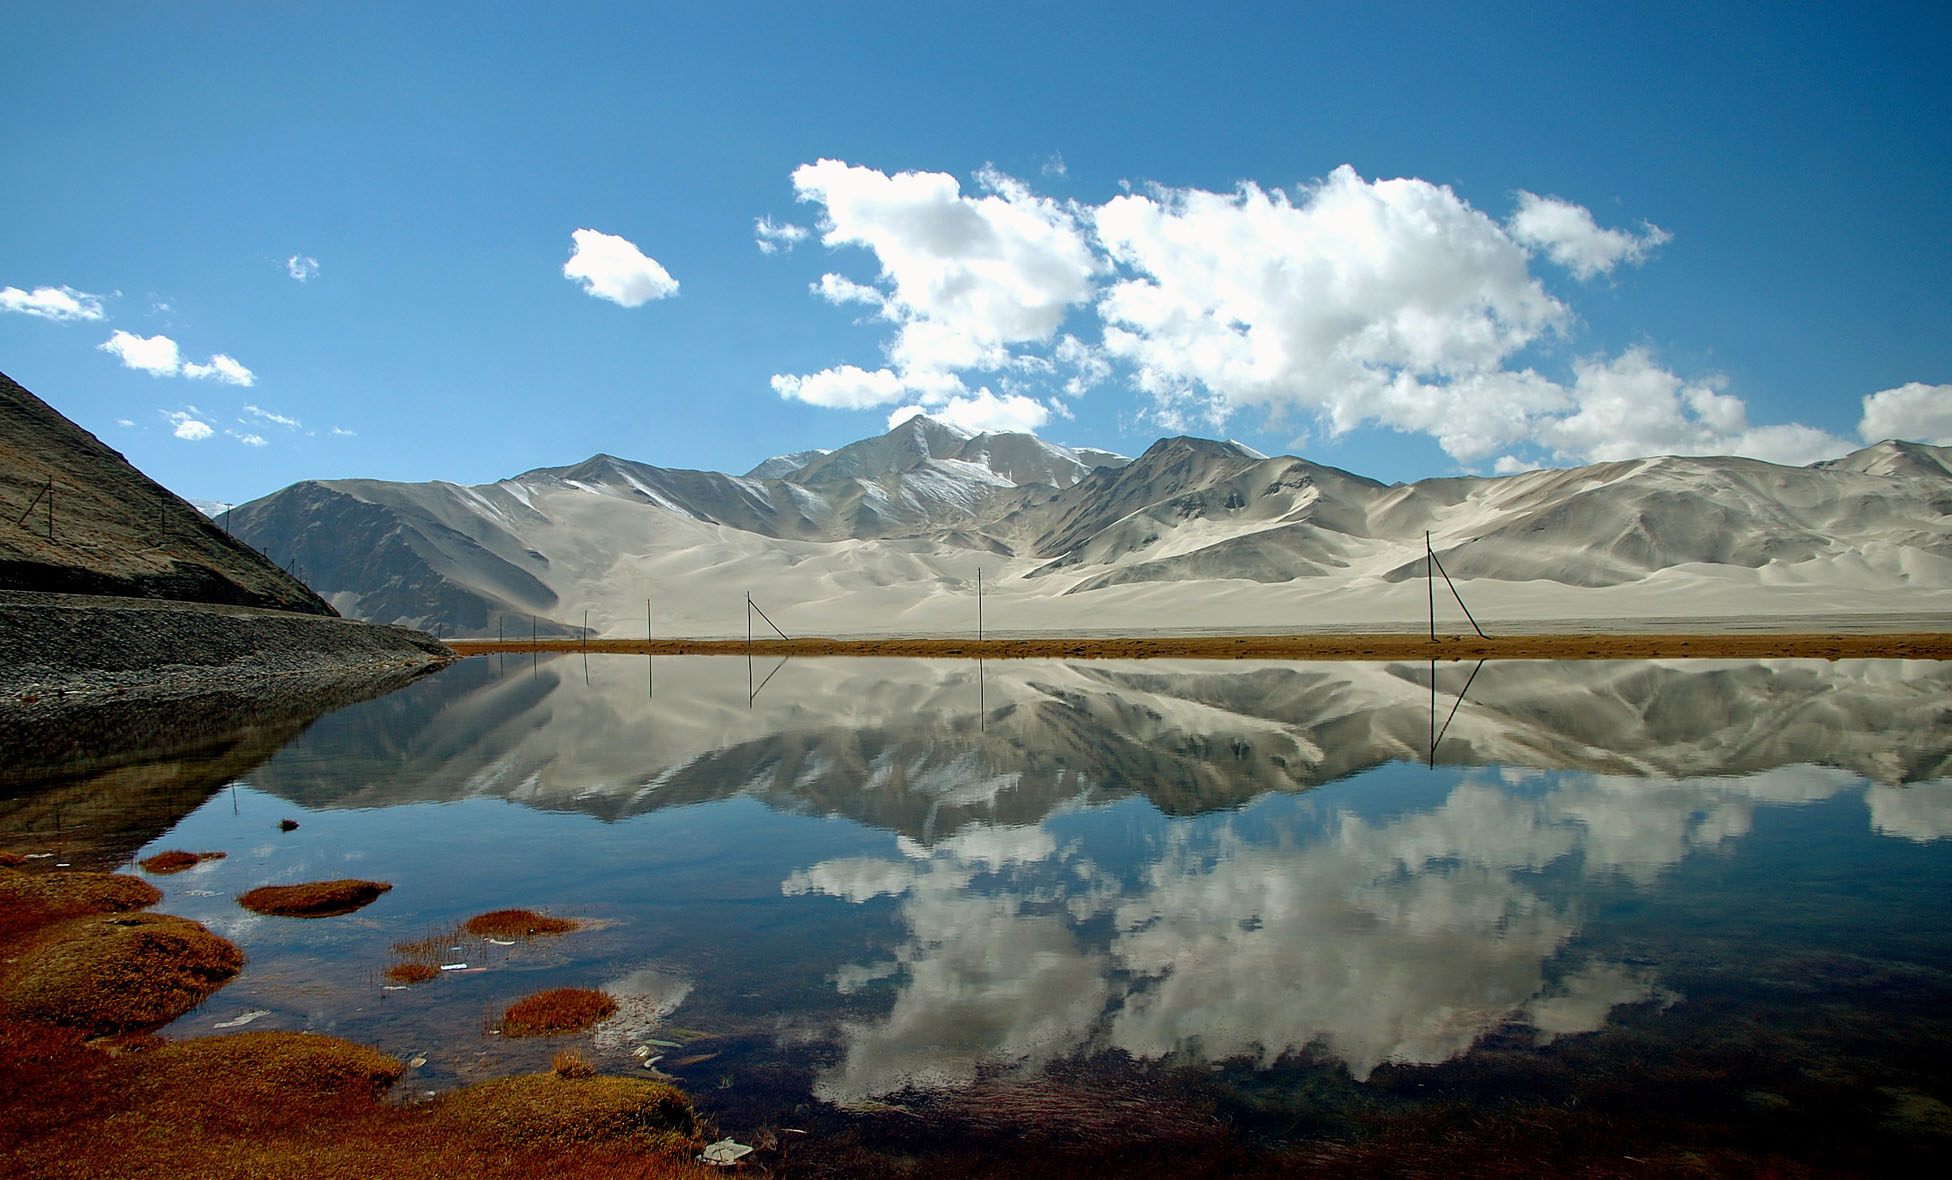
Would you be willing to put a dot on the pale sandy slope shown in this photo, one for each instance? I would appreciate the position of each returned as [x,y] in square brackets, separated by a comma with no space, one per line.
[608,556]
[888,536]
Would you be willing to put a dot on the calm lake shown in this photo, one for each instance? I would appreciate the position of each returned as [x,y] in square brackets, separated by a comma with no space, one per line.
[866,910]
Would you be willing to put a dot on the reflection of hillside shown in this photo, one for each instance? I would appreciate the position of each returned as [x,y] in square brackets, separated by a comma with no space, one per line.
[922,747]
[95,778]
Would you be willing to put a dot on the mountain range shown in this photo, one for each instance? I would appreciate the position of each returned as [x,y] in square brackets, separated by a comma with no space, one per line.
[891,534]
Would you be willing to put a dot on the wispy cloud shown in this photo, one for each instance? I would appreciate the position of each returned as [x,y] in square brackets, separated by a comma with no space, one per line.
[222,368]
[302,267]
[189,426]
[613,268]
[776,237]
[64,304]
[264,415]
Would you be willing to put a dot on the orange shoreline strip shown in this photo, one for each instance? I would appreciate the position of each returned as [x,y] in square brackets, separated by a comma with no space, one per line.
[1349,646]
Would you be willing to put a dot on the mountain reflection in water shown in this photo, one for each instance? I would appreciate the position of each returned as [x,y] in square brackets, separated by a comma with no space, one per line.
[967,872]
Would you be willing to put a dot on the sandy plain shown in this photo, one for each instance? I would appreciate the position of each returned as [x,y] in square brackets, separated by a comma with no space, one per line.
[1918,645]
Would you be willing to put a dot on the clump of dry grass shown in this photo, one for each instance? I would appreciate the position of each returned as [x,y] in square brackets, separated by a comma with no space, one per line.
[570,1063]
[114,973]
[175,860]
[558,1010]
[412,972]
[268,1067]
[517,924]
[12,860]
[314,899]
[571,1110]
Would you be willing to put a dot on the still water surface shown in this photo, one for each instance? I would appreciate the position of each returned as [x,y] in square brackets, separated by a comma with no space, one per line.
[1295,894]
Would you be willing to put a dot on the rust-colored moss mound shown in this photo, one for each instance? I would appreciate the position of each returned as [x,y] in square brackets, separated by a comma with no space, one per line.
[277,1104]
[255,1068]
[315,899]
[176,860]
[517,924]
[570,1110]
[32,900]
[559,1010]
[115,973]
[412,972]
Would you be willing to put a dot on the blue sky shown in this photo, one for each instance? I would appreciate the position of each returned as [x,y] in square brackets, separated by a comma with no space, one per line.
[448,241]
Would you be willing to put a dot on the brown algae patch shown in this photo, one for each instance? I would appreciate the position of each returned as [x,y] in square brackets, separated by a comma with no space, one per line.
[517,924]
[314,899]
[558,1010]
[115,973]
[175,860]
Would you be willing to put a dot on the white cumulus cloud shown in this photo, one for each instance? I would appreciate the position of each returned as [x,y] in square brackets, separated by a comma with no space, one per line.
[1914,411]
[982,412]
[1629,406]
[265,415]
[613,268]
[52,303]
[155,355]
[302,267]
[1341,303]
[1359,303]
[964,278]
[844,387]
[1570,237]
[159,356]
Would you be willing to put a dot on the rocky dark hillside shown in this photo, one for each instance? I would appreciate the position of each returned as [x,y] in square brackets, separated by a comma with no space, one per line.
[110,528]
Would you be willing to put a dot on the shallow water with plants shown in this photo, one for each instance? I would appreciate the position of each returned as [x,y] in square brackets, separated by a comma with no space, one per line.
[1139,917]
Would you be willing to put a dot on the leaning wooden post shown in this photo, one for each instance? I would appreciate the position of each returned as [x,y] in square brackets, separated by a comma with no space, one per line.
[1430,585]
